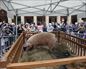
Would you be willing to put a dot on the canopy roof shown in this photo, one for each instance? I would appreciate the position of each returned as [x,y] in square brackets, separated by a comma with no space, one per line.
[46,7]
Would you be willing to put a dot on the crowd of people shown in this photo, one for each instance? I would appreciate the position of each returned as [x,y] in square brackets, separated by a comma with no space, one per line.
[76,29]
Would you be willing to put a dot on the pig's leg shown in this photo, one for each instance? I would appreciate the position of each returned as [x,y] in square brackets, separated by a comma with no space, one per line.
[51,45]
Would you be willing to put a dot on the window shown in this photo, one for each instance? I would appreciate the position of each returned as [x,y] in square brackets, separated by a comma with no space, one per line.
[28,19]
[19,19]
[41,19]
[52,19]
[64,18]
[74,18]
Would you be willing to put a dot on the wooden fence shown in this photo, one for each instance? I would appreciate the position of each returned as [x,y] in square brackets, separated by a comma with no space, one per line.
[76,45]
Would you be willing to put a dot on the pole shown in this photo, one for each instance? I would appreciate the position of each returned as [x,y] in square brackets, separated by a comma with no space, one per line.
[16,22]
[85,10]
[51,5]
[67,15]
[67,12]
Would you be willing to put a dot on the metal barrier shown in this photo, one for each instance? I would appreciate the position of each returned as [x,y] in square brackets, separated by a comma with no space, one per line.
[5,43]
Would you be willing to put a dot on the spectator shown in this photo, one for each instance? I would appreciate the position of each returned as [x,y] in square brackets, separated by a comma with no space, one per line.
[40,27]
[81,30]
[44,28]
[63,27]
[20,29]
[50,27]
[55,28]
[33,27]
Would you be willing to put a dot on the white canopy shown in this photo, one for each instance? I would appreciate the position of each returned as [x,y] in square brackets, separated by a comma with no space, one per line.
[45,7]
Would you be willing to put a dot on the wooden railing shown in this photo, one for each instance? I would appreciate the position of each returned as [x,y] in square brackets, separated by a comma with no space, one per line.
[46,63]
[75,44]
[14,53]
[3,64]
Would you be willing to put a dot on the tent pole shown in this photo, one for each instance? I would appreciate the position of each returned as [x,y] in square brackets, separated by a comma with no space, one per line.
[67,14]
[16,22]
[85,10]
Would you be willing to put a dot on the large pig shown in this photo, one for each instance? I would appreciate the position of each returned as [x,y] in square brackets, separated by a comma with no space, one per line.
[44,38]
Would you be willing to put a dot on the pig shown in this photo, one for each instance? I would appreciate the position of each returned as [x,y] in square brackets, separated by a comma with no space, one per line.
[43,38]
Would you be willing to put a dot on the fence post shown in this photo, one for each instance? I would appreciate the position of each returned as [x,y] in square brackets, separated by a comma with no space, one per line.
[58,37]
[24,33]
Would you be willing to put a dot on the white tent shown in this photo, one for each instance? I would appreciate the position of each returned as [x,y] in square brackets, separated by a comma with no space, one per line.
[45,7]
